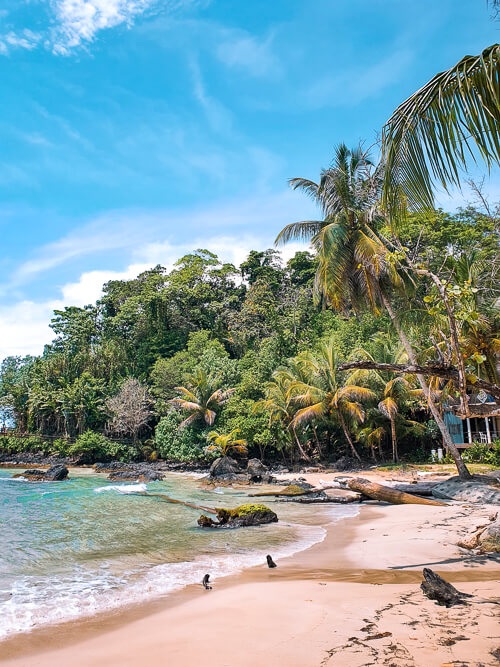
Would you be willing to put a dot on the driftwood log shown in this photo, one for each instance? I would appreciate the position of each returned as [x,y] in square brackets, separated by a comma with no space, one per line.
[290,490]
[168,499]
[436,588]
[387,493]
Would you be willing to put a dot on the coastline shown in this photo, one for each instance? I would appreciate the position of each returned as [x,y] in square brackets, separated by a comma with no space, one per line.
[321,606]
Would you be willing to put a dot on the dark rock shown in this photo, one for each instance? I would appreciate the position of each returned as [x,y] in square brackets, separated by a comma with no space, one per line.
[242,516]
[316,497]
[223,467]
[346,463]
[54,474]
[258,472]
[141,475]
[479,489]
[436,588]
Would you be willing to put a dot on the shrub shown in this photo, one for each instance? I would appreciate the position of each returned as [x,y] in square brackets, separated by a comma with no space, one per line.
[92,446]
[184,445]
[483,453]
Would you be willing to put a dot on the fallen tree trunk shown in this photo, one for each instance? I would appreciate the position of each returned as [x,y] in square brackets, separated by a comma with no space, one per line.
[416,489]
[436,588]
[387,494]
[168,499]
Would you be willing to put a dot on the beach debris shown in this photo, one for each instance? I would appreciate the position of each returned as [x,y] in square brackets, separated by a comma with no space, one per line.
[168,499]
[436,588]
[270,562]
[387,493]
[205,583]
[55,473]
[418,489]
[378,635]
[485,538]
[244,515]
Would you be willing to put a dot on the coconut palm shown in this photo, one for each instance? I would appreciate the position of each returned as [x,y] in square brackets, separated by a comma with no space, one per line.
[434,133]
[352,257]
[226,444]
[355,266]
[323,397]
[201,399]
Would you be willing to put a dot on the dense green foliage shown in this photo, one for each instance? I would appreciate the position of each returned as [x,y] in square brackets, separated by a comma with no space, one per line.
[242,350]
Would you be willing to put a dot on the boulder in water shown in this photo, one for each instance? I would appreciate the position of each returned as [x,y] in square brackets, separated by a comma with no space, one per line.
[257,471]
[54,474]
[140,475]
[224,468]
[244,515]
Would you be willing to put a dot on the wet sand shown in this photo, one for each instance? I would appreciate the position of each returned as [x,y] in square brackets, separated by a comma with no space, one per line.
[353,600]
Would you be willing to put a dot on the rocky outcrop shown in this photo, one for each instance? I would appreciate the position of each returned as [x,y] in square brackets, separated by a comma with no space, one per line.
[144,474]
[54,474]
[226,469]
[258,472]
[346,463]
[244,515]
[480,489]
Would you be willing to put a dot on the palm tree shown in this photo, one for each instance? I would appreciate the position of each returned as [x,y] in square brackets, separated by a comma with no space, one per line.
[278,405]
[354,264]
[201,399]
[432,135]
[396,392]
[352,257]
[225,444]
[322,397]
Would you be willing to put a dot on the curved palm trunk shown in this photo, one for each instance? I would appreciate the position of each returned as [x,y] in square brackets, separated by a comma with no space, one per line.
[394,442]
[347,436]
[299,446]
[461,467]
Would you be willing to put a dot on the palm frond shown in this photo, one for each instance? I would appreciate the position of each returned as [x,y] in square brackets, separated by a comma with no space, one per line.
[435,132]
[299,231]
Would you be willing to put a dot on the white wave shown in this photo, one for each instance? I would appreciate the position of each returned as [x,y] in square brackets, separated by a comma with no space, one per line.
[123,488]
[86,593]
[218,490]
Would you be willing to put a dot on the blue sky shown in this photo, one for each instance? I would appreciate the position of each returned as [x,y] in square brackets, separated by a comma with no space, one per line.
[133,131]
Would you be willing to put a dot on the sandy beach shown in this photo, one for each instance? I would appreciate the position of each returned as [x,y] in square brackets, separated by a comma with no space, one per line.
[353,599]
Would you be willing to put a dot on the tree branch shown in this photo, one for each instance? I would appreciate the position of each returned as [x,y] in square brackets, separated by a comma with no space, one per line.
[446,372]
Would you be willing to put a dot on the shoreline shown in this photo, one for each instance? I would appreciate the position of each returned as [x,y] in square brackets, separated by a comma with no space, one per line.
[363,563]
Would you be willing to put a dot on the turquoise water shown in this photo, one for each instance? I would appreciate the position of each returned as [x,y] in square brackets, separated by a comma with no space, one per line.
[71,549]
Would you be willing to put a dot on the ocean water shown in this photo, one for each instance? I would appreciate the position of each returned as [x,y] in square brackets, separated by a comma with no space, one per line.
[74,548]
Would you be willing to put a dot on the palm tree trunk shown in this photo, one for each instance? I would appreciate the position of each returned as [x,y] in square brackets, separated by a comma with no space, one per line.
[347,436]
[317,441]
[463,472]
[394,442]
[302,452]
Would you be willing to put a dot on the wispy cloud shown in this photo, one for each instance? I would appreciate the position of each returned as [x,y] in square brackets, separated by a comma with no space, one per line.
[357,83]
[25,39]
[245,52]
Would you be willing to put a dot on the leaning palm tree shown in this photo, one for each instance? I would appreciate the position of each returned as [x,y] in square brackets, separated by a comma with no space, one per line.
[324,397]
[201,398]
[432,135]
[355,266]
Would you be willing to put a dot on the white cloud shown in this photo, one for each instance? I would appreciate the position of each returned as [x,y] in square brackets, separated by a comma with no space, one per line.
[78,21]
[26,39]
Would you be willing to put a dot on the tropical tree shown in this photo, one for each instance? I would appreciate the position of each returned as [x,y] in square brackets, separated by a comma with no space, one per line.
[355,266]
[201,398]
[130,408]
[324,397]
[278,405]
[227,443]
